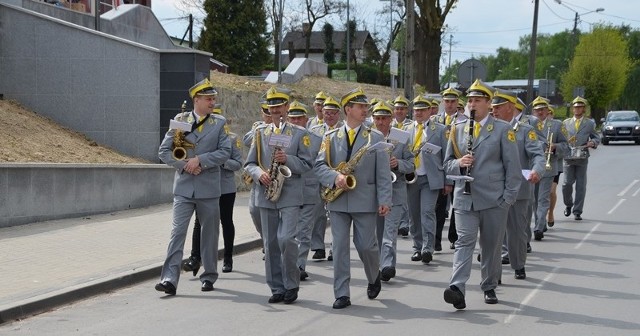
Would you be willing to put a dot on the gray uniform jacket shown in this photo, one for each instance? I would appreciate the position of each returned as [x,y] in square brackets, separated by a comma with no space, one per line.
[405,166]
[311,184]
[299,161]
[227,174]
[586,131]
[530,150]
[213,148]
[433,133]
[373,180]
[496,167]
[322,129]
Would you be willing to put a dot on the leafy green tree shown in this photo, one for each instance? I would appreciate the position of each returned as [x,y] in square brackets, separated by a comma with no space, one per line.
[601,65]
[235,33]
[630,98]
[329,50]
[350,29]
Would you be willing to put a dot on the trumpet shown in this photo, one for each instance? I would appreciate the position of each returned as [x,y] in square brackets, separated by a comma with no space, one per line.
[180,145]
[547,164]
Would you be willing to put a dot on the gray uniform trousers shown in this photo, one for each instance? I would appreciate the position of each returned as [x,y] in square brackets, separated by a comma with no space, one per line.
[541,204]
[280,247]
[405,219]
[254,211]
[575,173]
[387,233]
[319,227]
[308,216]
[364,239]
[516,238]
[492,224]
[422,204]
[208,212]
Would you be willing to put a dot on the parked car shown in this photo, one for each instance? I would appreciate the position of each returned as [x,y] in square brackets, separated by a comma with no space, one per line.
[621,126]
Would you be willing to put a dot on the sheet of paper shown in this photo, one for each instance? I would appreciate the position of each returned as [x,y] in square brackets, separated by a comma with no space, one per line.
[525,173]
[396,134]
[460,178]
[380,146]
[180,125]
[280,140]
[430,148]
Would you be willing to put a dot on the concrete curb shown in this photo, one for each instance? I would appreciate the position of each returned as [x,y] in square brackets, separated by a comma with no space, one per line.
[45,302]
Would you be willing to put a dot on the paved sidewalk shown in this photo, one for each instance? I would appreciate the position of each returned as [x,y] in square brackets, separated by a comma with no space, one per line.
[48,264]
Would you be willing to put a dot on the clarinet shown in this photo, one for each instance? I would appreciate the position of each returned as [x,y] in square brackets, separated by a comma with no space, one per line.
[467,183]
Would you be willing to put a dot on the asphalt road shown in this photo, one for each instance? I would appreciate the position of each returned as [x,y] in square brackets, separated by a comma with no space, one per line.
[582,279]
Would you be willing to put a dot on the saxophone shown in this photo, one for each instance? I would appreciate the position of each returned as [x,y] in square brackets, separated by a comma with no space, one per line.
[180,145]
[277,174]
[346,169]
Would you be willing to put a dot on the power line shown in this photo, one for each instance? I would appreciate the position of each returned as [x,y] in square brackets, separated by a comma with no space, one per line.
[515,29]
[554,13]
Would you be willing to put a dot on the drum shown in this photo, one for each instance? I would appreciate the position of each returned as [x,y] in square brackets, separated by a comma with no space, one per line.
[577,153]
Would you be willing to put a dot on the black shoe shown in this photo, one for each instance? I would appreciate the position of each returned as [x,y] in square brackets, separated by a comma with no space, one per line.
[330,257]
[427,257]
[191,265]
[416,256]
[545,229]
[551,223]
[319,254]
[227,265]
[529,249]
[520,274]
[404,232]
[166,287]
[438,247]
[452,246]
[505,260]
[374,289]
[303,274]
[275,298]
[387,273]
[567,211]
[290,295]
[455,297]
[490,297]
[479,257]
[342,302]
[578,217]
[538,235]
[207,286]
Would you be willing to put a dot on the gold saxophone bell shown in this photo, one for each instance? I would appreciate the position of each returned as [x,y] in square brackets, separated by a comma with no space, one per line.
[179,153]
[351,182]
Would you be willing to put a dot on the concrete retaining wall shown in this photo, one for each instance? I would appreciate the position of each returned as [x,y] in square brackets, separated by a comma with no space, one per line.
[38,192]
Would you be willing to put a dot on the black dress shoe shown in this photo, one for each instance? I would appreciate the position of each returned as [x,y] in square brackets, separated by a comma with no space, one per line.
[455,297]
[538,235]
[578,217]
[551,223]
[479,257]
[166,287]
[275,298]
[227,265]
[290,295]
[330,256]
[505,260]
[545,229]
[404,232]
[452,246]
[207,286]
[191,265]
[567,211]
[416,256]
[374,289]
[387,273]
[342,302]
[319,254]
[427,257]
[529,249]
[520,274]
[303,274]
[438,247]
[490,297]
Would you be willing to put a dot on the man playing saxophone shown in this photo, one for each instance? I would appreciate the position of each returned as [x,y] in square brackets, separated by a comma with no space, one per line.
[370,196]
[279,217]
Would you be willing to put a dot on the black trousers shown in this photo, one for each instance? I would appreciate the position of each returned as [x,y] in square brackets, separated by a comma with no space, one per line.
[441,214]
[228,230]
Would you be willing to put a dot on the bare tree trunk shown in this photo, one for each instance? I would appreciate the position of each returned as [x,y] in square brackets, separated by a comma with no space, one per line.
[427,58]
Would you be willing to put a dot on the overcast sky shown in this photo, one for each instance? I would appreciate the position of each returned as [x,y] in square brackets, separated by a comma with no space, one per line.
[479,27]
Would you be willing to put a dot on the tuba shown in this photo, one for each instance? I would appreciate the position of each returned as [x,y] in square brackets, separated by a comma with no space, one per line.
[277,174]
[180,145]
[346,169]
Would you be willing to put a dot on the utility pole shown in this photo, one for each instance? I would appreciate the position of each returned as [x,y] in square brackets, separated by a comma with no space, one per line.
[532,53]
[409,52]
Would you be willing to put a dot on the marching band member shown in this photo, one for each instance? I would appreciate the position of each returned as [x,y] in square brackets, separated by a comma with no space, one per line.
[318,104]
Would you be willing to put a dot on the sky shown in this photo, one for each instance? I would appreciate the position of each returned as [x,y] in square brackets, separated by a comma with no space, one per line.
[478,27]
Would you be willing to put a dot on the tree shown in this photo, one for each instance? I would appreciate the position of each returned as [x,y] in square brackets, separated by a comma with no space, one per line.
[350,29]
[239,42]
[630,98]
[601,65]
[316,10]
[430,19]
[329,50]
[395,31]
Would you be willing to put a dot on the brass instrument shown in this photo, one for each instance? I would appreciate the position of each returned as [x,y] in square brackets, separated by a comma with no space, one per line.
[472,119]
[180,145]
[394,178]
[547,164]
[346,169]
[246,178]
[277,174]
[411,178]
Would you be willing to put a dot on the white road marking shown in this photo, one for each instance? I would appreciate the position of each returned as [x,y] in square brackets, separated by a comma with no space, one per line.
[620,201]
[530,296]
[627,188]
[636,193]
[587,236]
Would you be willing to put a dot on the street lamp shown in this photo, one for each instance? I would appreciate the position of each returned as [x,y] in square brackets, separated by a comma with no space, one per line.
[577,16]
[546,80]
